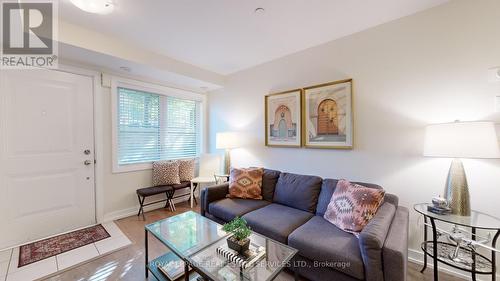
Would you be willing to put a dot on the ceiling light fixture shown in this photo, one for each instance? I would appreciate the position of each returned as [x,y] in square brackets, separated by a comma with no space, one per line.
[125,68]
[101,7]
[259,11]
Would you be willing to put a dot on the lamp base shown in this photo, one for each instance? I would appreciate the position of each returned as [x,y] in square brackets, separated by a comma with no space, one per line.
[457,189]
[227,162]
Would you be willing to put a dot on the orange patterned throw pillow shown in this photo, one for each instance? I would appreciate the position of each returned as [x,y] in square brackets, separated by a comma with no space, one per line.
[352,206]
[246,183]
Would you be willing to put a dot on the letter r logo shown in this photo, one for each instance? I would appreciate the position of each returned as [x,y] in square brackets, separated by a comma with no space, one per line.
[27,28]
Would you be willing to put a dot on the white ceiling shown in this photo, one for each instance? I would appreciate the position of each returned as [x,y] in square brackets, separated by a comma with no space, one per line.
[70,54]
[225,36]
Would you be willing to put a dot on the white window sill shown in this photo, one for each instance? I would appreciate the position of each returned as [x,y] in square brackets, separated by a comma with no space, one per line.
[132,167]
[117,169]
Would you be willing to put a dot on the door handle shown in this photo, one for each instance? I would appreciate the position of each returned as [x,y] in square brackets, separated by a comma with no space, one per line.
[87,162]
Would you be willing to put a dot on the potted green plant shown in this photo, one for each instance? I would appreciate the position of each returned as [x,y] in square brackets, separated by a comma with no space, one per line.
[239,241]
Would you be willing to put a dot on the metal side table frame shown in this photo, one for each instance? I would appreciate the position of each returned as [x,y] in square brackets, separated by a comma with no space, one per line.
[477,220]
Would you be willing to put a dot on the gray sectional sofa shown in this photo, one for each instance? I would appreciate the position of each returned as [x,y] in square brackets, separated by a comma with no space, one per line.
[292,211]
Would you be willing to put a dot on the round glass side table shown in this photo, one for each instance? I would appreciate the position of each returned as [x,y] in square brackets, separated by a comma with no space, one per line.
[465,257]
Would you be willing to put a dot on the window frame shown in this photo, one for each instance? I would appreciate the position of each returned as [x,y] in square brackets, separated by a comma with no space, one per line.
[119,82]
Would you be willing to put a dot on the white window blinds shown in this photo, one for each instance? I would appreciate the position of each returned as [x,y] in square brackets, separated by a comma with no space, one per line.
[155,127]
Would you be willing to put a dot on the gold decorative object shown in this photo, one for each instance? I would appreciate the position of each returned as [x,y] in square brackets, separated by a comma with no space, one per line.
[457,190]
[227,141]
[227,161]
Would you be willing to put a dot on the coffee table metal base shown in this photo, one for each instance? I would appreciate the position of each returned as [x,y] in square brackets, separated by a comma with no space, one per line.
[204,247]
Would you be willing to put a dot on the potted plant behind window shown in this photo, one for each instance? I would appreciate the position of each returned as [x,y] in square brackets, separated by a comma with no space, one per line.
[239,241]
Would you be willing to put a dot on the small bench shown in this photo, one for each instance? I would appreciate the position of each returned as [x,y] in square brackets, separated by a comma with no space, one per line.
[169,191]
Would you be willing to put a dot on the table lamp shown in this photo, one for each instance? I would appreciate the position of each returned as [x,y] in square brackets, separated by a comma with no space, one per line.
[460,140]
[226,141]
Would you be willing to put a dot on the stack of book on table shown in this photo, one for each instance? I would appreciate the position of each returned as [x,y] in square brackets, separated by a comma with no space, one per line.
[245,260]
[440,210]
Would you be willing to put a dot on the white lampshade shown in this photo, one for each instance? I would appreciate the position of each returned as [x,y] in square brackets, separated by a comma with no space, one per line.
[462,140]
[226,140]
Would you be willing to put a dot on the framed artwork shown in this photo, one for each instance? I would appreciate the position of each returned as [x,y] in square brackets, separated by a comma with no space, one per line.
[327,115]
[283,119]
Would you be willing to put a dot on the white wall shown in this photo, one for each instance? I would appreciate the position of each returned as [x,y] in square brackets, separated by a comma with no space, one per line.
[116,192]
[427,68]
[118,189]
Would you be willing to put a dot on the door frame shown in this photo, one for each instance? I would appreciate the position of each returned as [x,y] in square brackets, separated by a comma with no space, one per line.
[98,134]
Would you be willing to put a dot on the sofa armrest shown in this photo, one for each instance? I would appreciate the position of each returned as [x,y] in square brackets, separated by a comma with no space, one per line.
[395,252]
[372,239]
[211,194]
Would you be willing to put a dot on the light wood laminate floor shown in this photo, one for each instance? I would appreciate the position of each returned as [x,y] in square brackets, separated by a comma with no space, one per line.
[128,263]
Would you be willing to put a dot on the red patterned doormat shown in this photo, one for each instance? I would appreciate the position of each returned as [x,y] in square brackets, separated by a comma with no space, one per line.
[49,247]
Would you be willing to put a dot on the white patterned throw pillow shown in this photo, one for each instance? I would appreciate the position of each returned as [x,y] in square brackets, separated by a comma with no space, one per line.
[186,170]
[166,173]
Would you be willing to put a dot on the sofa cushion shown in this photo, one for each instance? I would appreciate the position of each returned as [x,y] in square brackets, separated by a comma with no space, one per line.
[276,221]
[298,191]
[327,188]
[321,241]
[229,208]
[269,180]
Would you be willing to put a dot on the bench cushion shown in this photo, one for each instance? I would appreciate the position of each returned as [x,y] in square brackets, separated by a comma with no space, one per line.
[229,208]
[276,221]
[150,191]
[153,190]
[322,241]
[182,185]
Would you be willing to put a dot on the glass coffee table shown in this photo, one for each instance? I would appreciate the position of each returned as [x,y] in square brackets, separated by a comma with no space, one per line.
[193,240]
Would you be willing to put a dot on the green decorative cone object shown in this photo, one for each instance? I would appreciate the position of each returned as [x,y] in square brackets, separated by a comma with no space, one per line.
[457,190]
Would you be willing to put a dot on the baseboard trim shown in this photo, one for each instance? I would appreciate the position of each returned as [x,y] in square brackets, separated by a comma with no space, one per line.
[417,257]
[132,211]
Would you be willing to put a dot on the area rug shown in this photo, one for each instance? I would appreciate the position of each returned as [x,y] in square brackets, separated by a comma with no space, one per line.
[50,247]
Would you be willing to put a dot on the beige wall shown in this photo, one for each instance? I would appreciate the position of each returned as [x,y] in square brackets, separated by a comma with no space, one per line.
[118,189]
[427,68]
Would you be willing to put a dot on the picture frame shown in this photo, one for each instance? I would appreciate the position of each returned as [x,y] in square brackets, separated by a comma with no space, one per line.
[283,119]
[327,115]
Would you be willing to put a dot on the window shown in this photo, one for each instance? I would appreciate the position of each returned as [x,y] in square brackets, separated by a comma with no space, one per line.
[152,126]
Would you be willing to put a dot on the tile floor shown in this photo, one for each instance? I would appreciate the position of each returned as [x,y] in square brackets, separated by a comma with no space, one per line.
[50,266]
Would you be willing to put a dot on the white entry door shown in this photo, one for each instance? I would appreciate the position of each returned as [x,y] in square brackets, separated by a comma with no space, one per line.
[46,154]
